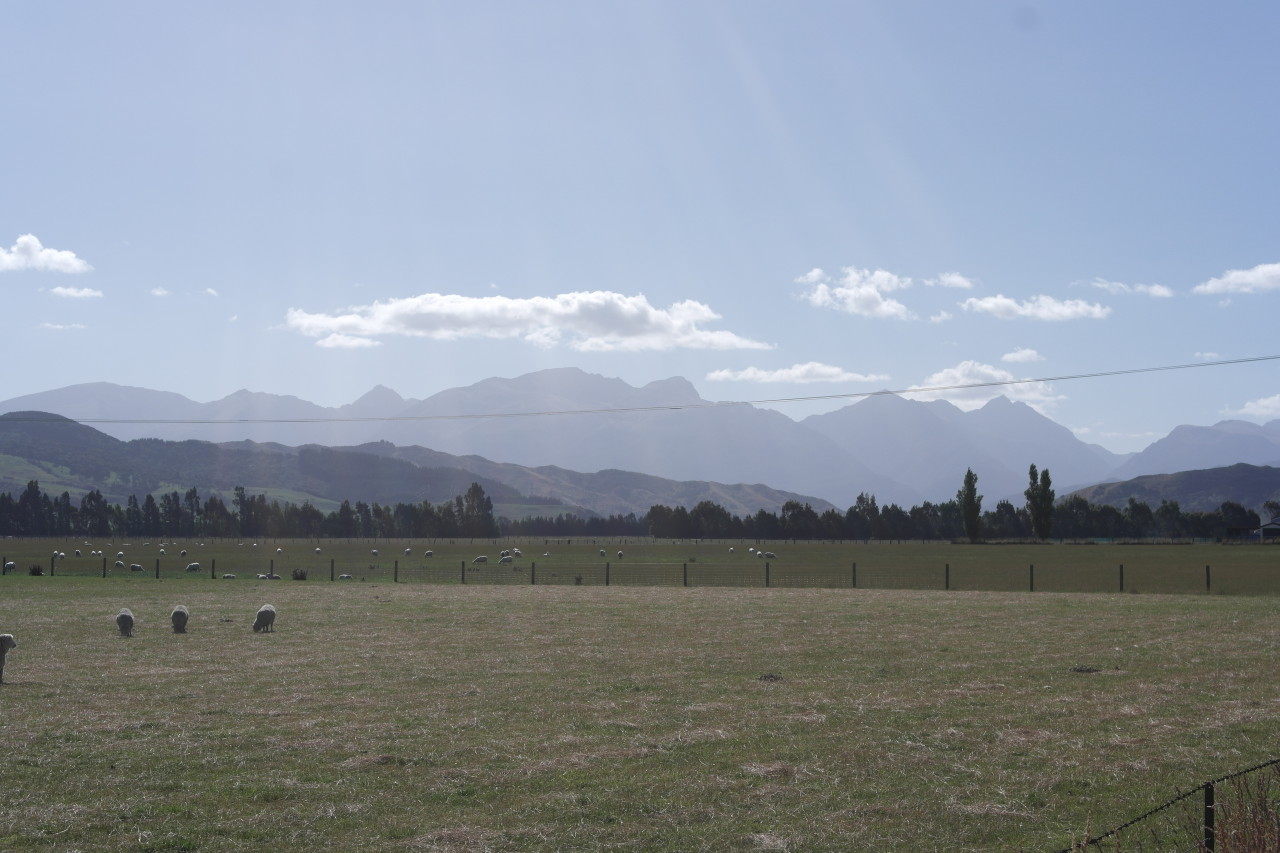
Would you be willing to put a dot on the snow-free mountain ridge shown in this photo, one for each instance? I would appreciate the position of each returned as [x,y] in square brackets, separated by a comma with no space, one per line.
[899,450]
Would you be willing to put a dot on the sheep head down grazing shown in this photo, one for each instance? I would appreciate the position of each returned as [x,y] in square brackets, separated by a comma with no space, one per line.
[6,642]
[124,621]
[179,618]
[265,620]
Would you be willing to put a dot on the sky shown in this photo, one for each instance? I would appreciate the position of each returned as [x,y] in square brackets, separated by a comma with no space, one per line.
[800,202]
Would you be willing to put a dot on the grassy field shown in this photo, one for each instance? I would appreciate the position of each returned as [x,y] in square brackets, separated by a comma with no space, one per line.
[432,717]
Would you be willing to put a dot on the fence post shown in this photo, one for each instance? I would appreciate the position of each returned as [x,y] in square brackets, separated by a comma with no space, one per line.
[464,571]
[686,574]
[855,575]
[1206,579]
[1033,577]
[1122,577]
[533,574]
[213,569]
[1208,816]
[395,571]
[946,576]
[606,573]
[157,568]
[766,574]
[331,562]
[52,562]
[104,567]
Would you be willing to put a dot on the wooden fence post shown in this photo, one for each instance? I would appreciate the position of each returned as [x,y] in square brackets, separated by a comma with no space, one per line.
[766,574]
[464,571]
[395,571]
[946,576]
[1033,577]
[855,575]
[157,568]
[1122,577]
[686,574]
[1207,585]
[331,562]
[606,573]
[533,574]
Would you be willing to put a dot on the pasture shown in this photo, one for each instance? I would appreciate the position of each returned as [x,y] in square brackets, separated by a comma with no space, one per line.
[451,717]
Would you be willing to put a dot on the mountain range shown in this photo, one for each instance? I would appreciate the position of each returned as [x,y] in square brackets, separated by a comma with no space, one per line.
[555,430]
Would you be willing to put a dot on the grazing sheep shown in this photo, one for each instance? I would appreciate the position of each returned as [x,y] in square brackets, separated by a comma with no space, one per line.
[262,577]
[516,552]
[124,621]
[119,564]
[601,552]
[135,567]
[10,566]
[279,550]
[120,555]
[481,559]
[265,620]
[6,642]
[408,551]
[506,559]
[161,551]
[182,553]
[429,554]
[228,577]
[769,555]
[179,618]
[317,550]
[619,555]
[273,577]
[374,552]
[344,577]
[77,552]
[193,567]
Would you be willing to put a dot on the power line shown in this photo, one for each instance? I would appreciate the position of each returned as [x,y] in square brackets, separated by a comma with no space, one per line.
[675,407]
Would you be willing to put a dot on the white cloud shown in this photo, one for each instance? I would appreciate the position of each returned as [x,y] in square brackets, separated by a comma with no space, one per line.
[1261,278]
[971,384]
[940,317]
[1157,291]
[860,292]
[813,276]
[1208,356]
[1022,354]
[28,254]
[950,279]
[1037,308]
[1265,407]
[809,372]
[159,291]
[76,292]
[63,327]
[337,341]
[211,291]
[597,321]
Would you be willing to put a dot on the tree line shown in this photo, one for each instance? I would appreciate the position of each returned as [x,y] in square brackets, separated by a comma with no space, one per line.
[471,515]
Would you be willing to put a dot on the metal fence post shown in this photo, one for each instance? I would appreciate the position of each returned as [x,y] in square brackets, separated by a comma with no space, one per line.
[1208,816]
[213,569]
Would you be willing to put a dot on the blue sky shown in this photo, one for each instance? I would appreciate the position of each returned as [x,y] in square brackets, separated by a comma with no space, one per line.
[772,200]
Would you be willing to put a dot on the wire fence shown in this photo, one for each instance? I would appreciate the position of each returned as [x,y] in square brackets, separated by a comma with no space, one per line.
[1245,818]
[897,574]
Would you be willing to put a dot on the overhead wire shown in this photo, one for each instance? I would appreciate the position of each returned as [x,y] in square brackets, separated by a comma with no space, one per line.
[852,395]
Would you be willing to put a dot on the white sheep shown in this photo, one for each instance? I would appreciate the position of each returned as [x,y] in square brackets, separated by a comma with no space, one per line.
[262,577]
[344,577]
[120,555]
[119,564]
[317,550]
[135,567]
[279,550]
[265,620]
[228,577]
[179,618]
[124,621]
[193,567]
[374,552]
[10,566]
[77,552]
[769,555]
[408,551]
[506,559]
[429,554]
[182,553]
[273,577]
[161,552]
[481,559]
[516,552]
[6,642]
[619,555]
[601,552]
